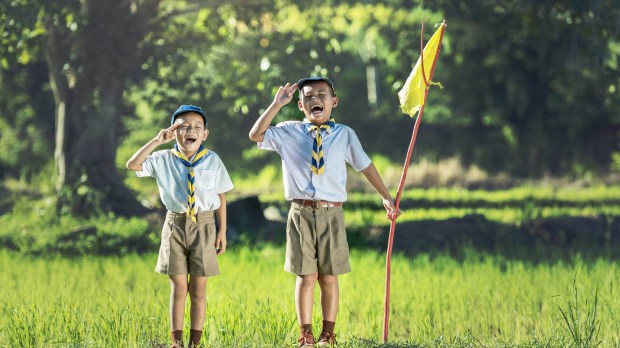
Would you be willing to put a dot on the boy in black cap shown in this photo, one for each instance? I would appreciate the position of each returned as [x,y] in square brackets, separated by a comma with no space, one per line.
[314,153]
[192,184]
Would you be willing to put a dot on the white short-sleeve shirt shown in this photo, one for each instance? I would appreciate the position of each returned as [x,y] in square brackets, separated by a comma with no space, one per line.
[293,143]
[211,179]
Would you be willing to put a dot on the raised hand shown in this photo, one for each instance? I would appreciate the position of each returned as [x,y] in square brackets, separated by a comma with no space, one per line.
[285,94]
[167,135]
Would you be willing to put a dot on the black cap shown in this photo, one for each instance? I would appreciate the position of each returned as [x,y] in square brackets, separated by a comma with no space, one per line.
[302,82]
[188,108]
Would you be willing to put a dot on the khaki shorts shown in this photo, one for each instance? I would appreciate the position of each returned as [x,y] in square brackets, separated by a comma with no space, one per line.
[188,247]
[316,241]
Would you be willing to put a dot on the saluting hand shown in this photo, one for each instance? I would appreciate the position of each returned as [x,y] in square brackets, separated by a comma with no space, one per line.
[167,135]
[285,94]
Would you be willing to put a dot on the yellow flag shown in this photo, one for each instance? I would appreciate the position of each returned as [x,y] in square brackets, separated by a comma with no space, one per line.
[412,94]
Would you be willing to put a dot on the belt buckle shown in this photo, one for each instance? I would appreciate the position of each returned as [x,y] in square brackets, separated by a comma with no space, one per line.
[315,204]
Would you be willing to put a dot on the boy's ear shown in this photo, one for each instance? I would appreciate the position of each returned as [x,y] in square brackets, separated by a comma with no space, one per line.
[300,105]
[206,132]
[334,102]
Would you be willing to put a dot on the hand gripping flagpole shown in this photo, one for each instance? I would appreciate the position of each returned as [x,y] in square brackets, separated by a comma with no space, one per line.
[388,260]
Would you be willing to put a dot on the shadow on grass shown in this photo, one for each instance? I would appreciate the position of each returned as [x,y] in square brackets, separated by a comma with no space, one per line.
[536,240]
[541,240]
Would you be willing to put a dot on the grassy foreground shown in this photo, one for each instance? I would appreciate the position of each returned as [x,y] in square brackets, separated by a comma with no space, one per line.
[439,302]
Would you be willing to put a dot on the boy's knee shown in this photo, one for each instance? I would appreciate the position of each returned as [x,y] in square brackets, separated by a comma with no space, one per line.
[328,280]
[197,294]
[197,288]
[178,288]
[308,279]
[179,291]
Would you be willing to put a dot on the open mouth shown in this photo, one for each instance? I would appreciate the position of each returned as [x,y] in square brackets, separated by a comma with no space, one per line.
[190,141]
[316,109]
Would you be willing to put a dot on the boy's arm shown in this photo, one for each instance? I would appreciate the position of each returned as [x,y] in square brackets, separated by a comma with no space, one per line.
[283,97]
[164,136]
[373,177]
[220,241]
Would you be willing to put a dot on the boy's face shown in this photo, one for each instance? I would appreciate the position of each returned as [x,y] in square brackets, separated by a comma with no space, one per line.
[316,101]
[191,133]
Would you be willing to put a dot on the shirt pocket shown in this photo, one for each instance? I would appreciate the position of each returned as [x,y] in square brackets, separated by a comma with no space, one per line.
[334,163]
[206,179]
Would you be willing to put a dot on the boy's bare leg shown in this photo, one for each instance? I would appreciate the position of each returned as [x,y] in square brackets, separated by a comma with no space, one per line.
[304,297]
[198,297]
[178,294]
[329,296]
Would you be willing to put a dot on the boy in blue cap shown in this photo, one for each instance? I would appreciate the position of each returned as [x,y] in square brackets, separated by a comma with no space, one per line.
[192,185]
[314,153]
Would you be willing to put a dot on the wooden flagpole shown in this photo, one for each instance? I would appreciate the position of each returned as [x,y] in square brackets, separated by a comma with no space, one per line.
[388,260]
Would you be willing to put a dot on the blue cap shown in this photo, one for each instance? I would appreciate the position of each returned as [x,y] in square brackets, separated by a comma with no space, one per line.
[188,108]
[302,82]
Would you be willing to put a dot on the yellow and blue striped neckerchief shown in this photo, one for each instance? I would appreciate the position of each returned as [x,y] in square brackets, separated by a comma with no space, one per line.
[198,158]
[317,161]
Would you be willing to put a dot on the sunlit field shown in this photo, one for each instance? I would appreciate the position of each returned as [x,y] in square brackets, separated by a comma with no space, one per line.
[482,301]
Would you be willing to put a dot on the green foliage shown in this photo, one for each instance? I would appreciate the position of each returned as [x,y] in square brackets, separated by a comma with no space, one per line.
[262,183]
[264,46]
[34,227]
[354,37]
[508,215]
[615,161]
[26,123]
[545,77]
[539,194]
[536,70]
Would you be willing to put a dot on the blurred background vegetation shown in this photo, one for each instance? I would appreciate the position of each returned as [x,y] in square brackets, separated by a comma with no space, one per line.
[531,90]
[518,157]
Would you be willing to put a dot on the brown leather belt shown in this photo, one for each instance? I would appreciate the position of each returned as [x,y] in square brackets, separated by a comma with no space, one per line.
[317,204]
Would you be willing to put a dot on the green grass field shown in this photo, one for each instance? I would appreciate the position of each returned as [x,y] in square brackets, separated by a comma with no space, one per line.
[482,301]
[538,295]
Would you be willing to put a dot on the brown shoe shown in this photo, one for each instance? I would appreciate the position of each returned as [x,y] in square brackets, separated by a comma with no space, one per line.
[326,340]
[306,340]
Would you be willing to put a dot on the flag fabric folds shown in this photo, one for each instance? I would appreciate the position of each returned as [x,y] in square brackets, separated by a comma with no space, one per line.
[412,95]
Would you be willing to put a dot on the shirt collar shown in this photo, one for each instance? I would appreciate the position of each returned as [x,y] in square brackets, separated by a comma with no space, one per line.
[307,124]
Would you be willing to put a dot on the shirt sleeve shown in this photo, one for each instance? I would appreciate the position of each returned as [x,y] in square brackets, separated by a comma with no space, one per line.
[355,155]
[222,179]
[151,162]
[274,136]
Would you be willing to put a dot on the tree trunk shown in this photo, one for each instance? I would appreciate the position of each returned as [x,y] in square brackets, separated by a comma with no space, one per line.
[88,72]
